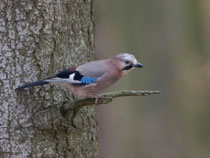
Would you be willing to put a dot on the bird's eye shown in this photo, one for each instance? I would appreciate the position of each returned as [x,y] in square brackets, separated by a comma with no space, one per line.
[127,62]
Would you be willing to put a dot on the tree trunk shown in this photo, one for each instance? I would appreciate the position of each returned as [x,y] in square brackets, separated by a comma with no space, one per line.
[37,39]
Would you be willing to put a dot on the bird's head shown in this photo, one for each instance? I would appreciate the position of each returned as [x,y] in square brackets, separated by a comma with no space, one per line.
[127,62]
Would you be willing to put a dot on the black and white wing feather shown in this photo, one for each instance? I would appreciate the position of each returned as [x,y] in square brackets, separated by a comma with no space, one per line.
[69,76]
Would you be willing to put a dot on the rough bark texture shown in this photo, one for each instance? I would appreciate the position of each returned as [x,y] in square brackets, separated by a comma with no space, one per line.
[38,38]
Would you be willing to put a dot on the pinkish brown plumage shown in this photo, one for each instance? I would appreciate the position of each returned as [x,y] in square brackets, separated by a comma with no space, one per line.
[91,78]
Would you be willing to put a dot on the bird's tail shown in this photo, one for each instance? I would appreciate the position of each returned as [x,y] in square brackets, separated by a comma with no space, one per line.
[33,84]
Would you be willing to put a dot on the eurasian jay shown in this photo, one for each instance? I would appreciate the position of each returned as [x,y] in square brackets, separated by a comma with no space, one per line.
[91,78]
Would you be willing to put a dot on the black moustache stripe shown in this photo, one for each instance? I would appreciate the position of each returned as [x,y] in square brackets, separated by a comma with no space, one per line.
[128,67]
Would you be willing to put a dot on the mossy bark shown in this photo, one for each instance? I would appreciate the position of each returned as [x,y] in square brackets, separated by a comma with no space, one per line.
[37,39]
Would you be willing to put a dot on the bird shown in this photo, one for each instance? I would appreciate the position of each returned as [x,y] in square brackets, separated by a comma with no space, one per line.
[90,79]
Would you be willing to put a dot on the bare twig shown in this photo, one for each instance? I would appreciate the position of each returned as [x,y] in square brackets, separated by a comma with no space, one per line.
[103,99]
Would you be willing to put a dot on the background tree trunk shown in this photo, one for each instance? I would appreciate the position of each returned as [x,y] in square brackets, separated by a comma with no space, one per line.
[38,38]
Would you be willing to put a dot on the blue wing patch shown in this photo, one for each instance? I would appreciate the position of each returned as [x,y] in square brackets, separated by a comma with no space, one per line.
[87,80]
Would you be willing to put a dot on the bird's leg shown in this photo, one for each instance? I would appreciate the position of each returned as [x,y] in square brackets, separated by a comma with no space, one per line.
[92,95]
[96,96]
[96,101]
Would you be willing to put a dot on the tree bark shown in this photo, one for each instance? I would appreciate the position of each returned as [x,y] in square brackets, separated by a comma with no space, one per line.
[38,38]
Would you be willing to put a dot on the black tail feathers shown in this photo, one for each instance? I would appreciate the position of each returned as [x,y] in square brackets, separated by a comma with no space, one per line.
[33,84]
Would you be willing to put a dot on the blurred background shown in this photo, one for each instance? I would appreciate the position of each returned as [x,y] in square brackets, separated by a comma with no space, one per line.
[171,39]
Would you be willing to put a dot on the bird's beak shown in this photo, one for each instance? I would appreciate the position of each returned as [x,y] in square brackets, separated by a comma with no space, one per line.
[139,65]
